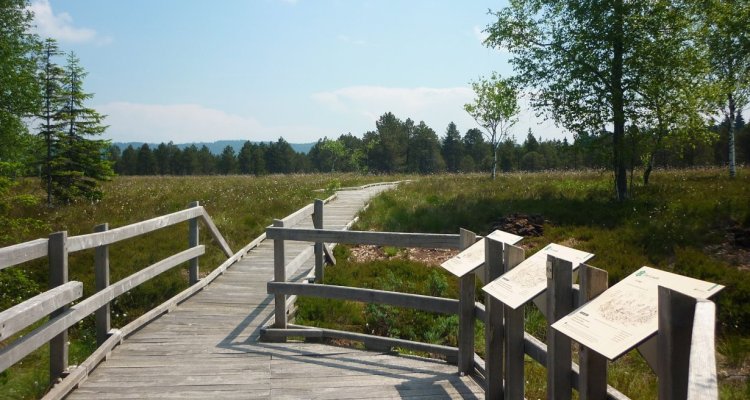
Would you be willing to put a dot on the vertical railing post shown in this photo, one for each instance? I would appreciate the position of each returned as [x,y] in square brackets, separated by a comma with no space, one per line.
[493,325]
[592,383]
[466,316]
[676,314]
[559,304]
[193,238]
[318,224]
[514,328]
[58,275]
[279,275]
[101,275]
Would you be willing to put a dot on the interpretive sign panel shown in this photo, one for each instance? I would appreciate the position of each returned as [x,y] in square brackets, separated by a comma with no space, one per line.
[626,314]
[529,278]
[471,258]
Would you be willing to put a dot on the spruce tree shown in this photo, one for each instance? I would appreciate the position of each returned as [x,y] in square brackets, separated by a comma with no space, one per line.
[79,163]
[51,129]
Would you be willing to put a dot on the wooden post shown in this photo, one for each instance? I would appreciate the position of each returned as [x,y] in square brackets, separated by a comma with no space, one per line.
[592,381]
[559,304]
[318,224]
[279,275]
[514,330]
[493,326]
[101,274]
[58,275]
[676,314]
[193,238]
[466,322]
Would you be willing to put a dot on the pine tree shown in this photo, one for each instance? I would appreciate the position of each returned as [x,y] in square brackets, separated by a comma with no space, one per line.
[79,163]
[52,78]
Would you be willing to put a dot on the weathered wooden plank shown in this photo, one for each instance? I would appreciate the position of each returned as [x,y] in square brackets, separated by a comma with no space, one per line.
[58,275]
[593,366]
[215,233]
[466,322]
[22,315]
[81,372]
[12,353]
[415,301]
[383,341]
[702,383]
[428,240]
[513,368]
[279,276]
[22,252]
[318,224]
[102,316]
[193,238]
[676,315]
[298,216]
[89,241]
[559,304]
[493,326]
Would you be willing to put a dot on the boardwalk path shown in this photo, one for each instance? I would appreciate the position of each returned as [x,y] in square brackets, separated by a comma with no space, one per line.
[207,347]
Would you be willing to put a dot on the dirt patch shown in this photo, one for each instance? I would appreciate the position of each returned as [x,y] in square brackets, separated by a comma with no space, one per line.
[735,249]
[365,253]
[521,224]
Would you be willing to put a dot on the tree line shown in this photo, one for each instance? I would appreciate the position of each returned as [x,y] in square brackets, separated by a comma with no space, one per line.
[402,146]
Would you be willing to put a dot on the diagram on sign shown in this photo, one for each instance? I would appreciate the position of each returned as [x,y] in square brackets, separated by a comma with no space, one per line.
[626,314]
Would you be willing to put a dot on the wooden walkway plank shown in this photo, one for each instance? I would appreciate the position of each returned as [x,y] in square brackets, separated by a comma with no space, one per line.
[207,347]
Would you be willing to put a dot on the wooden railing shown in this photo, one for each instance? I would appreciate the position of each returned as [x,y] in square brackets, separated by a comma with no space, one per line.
[55,302]
[506,341]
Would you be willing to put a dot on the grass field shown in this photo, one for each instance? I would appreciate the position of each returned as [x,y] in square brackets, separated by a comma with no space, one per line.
[678,223]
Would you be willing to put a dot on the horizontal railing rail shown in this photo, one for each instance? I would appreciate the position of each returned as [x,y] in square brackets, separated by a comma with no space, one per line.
[35,249]
[397,239]
[21,316]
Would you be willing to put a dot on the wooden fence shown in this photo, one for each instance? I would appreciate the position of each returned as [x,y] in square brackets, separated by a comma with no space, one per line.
[686,366]
[55,302]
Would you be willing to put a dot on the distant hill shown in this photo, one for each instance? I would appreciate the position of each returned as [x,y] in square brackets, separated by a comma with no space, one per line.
[215,147]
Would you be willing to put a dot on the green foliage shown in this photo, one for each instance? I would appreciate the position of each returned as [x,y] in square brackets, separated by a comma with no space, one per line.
[495,108]
[74,163]
[667,225]
[395,274]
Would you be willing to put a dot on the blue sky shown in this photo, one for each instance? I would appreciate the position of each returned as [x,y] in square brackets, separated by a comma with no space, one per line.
[185,70]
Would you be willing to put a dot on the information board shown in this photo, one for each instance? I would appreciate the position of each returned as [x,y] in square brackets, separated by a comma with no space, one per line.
[626,314]
[472,257]
[529,278]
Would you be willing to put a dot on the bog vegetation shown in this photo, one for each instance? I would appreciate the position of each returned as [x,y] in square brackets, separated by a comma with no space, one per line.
[688,222]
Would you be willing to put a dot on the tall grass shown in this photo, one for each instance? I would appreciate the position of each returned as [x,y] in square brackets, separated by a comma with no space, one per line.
[671,224]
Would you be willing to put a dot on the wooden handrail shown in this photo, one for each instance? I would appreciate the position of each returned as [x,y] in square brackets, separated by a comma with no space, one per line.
[702,382]
[27,251]
[398,239]
[415,301]
[22,252]
[22,315]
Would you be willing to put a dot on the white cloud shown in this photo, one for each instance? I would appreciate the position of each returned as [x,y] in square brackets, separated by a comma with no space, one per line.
[180,123]
[350,40]
[60,26]
[480,34]
[436,106]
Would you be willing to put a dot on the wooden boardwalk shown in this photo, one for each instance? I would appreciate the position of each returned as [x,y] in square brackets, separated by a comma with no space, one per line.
[208,348]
